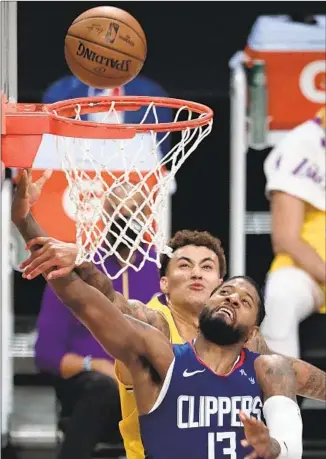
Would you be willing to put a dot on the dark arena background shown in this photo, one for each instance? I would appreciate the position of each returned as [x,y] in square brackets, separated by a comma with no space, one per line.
[190,45]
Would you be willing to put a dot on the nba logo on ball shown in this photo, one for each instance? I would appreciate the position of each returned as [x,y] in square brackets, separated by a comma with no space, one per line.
[114,51]
[112,32]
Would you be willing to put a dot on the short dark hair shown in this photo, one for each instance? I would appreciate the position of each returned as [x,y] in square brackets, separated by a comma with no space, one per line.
[199,239]
[261,303]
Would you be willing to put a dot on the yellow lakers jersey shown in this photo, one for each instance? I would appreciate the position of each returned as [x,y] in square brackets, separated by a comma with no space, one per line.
[129,426]
[297,166]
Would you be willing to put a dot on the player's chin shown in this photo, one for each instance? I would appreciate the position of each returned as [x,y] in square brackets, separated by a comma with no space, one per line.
[199,292]
[224,318]
[197,297]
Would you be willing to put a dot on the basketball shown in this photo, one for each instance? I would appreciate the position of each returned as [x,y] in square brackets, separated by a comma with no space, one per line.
[105,47]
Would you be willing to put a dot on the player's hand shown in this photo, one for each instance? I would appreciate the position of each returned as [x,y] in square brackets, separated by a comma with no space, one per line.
[54,255]
[27,194]
[257,436]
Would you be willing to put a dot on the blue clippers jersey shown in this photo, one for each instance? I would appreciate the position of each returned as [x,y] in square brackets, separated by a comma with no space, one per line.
[198,417]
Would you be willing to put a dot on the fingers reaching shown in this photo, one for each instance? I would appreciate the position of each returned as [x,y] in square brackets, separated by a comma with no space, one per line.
[62,272]
[33,270]
[44,178]
[26,180]
[23,184]
[41,241]
[246,420]
[32,257]
[256,436]
[243,417]
[252,455]
[36,267]
[46,257]
[39,265]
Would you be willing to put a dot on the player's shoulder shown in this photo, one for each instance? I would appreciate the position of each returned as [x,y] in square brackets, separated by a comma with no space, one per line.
[307,131]
[183,349]
[158,303]
[273,371]
[135,303]
[288,162]
[308,137]
[297,142]
[140,309]
[271,362]
[254,360]
[150,315]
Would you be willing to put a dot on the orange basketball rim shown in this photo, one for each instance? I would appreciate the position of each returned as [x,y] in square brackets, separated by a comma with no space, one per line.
[89,154]
[23,125]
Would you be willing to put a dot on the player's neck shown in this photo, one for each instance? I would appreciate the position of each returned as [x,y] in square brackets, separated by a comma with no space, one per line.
[185,317]
[220,359]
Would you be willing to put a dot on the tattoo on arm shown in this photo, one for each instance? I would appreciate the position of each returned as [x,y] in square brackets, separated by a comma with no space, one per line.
[136,309]
[90,274]
[310,380]
[275,376]
[150,316]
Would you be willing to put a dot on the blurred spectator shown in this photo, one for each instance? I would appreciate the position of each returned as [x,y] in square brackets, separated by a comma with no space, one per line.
[295,288]
[86,386]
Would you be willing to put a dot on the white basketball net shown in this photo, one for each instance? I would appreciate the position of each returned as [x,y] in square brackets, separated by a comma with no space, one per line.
[115,205]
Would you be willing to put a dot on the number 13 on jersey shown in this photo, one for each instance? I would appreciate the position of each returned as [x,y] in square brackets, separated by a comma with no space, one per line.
[228,438]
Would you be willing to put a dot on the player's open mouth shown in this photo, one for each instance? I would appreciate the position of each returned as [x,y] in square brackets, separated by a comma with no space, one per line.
[227,312]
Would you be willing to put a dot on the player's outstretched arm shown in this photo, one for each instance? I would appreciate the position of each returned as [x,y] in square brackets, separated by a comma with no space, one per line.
[60,258]
[49,256]
[282,435]
[310,380]
[56,258]
[125,338]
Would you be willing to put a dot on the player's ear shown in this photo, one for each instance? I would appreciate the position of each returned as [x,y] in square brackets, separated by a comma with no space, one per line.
[164,284]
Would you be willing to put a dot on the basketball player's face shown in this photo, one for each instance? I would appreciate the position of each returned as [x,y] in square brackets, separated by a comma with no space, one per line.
[231,313]
[192,274]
